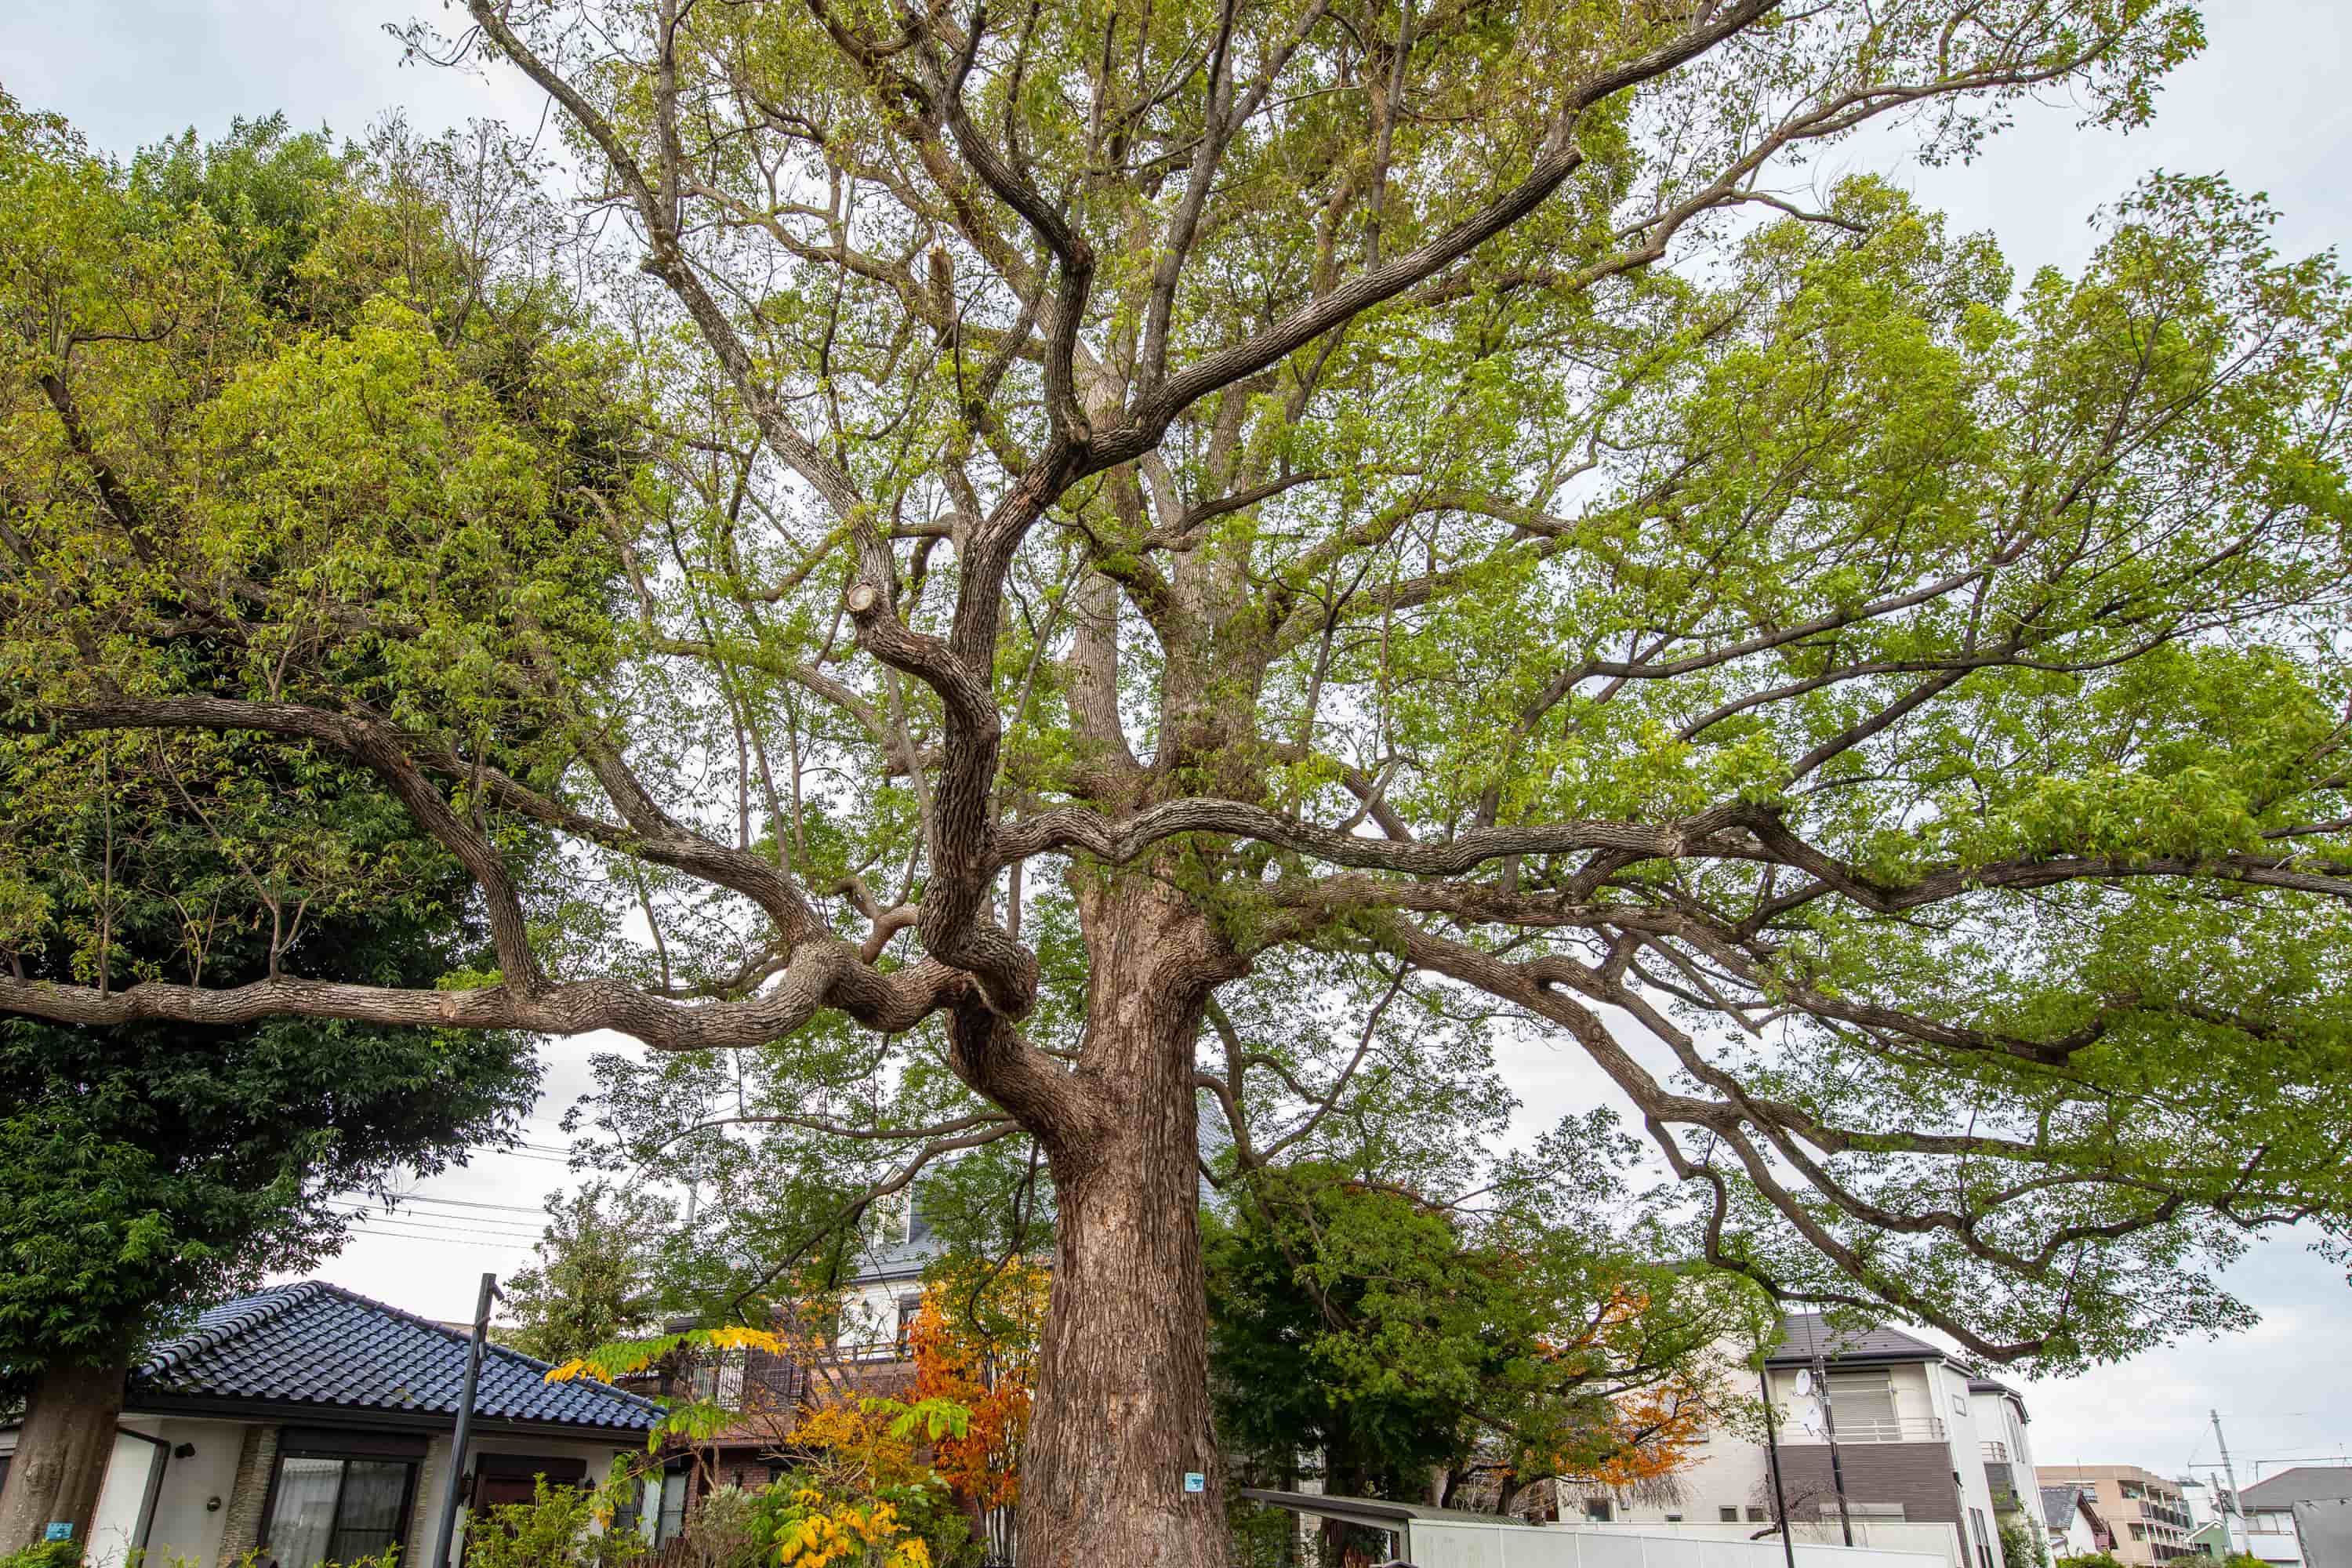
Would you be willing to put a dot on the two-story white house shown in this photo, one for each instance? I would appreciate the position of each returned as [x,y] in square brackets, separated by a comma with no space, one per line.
[1923,1440]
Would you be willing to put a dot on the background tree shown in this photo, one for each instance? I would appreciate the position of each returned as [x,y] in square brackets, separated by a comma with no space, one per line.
[594,1276]
[148,1168]
[1462,1351]
[1169,511]
[975,1344]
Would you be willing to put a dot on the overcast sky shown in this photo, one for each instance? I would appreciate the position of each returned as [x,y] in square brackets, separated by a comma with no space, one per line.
[2268,104]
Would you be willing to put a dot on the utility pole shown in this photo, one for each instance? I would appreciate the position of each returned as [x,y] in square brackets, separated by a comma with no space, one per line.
[1772,1450]
[2232,1471]
[1829,1426]
[447,1533]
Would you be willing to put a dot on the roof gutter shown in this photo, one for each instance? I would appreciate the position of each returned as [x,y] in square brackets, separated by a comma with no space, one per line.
[219,1407]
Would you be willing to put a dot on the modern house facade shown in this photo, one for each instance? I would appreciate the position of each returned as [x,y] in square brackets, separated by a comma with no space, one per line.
[2271,1526]
[310,1424]
[1923,1439]
[1999,1412]
[2146,1512]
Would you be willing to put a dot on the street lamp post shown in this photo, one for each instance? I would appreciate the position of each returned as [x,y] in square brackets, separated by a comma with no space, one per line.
[446,1535]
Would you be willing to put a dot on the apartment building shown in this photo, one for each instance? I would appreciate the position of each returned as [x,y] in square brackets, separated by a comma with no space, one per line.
[2146,1512]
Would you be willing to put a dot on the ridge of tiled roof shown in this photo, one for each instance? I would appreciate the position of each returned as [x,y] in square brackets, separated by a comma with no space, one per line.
[1800,1331]
[216,1325]
[314,1343]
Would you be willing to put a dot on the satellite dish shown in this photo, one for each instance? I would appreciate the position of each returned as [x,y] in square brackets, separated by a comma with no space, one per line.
[1804,1380]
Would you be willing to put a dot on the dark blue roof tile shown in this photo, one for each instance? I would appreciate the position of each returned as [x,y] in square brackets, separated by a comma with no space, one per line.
[314,1343]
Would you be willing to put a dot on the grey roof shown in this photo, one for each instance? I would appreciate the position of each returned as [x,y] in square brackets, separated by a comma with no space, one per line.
[2303,1483]
[1802,1330]
[319,1345]
[2058,1505]
[902,1259]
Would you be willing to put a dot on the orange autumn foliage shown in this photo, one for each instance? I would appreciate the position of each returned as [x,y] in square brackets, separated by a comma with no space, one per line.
[1658,1427]
[976,1342]
[1651,1431]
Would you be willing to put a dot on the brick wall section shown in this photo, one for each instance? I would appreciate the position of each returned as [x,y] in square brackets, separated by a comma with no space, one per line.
[425,1517]
[1916,1475]
[241,1531]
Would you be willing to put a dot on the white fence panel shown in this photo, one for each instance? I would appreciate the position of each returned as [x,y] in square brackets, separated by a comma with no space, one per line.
[1450,1543]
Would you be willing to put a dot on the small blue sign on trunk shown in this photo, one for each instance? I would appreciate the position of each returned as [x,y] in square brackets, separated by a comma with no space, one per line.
[58,1530]
[1194,1482]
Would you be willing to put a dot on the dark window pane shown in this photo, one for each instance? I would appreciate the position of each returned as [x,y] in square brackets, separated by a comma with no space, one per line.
[369,1519]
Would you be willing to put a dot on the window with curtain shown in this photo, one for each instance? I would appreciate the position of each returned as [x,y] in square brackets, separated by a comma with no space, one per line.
[336,1510]
[1863,1403]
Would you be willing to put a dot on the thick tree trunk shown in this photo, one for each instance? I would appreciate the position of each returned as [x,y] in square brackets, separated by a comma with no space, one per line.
[62,1452]
[1122,1407]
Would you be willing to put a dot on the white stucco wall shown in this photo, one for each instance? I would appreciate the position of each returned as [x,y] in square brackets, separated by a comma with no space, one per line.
[869,1314]
[184,1528]
[1725,1472]
[1951,1391]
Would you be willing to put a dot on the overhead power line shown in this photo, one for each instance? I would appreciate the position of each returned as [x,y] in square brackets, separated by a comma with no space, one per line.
[441,1240]
[440,1202]
[370,1217]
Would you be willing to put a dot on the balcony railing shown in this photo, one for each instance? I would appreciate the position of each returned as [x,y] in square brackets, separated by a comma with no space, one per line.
[1996,1451]
[1877,1429]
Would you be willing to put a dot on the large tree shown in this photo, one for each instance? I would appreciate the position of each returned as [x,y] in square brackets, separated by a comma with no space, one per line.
[150,1166]
[1226,510]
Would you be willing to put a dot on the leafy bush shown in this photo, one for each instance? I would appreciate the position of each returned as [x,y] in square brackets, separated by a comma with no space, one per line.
[47,1554]
[2089,1559]
[865,1495]
[561,1527]
[2022,1544]
[731,1528]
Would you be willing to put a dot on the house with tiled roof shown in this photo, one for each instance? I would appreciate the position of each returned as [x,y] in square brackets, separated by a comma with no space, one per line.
[2077,1528]
[310,1424]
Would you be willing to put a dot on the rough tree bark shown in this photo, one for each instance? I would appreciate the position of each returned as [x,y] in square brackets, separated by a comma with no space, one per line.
[62,1451]
[1122,1407]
